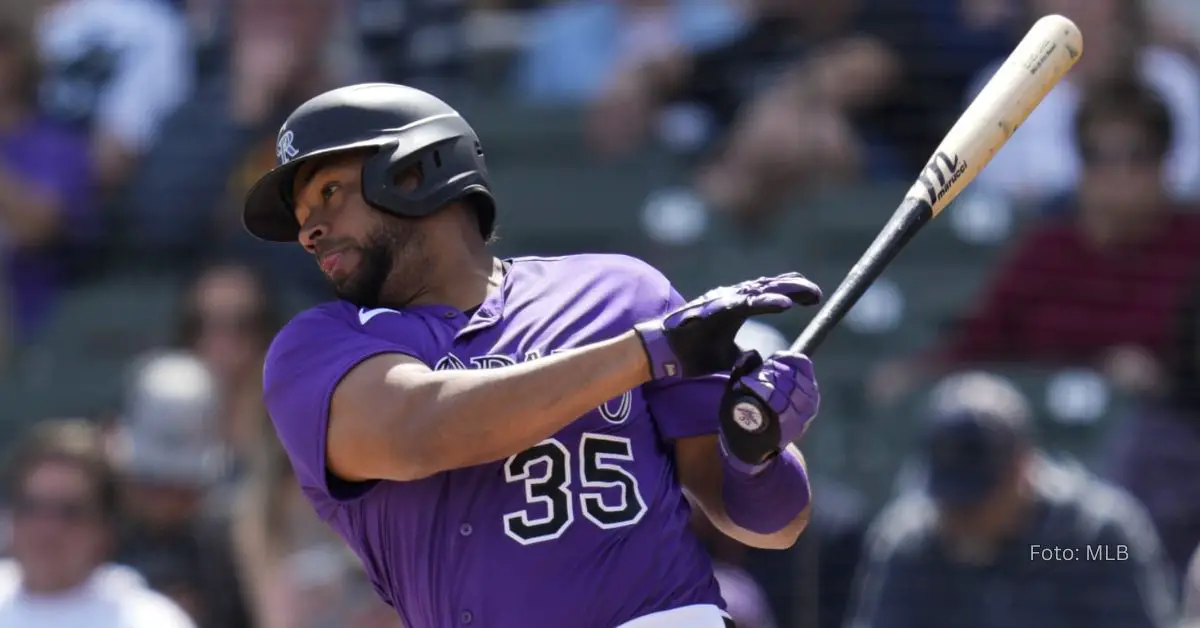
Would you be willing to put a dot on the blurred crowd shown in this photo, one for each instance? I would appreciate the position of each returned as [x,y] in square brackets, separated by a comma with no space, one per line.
[130,130]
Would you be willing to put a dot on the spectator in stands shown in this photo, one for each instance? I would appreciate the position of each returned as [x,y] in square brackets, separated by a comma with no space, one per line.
[168,451]
[1155,452]
[576,47]
[45,204]
[272,57]
[778,108]
[230,314]
[116,69]
[1042,160]
[64,502]
[1100,287]
[296,571]
[983,542]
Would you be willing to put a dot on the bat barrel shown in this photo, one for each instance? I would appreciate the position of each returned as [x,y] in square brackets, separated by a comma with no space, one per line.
[1035,66]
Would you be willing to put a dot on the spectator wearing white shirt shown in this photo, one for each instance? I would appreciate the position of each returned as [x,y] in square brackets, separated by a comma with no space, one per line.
[64,497]
[117,68]
[1041,162]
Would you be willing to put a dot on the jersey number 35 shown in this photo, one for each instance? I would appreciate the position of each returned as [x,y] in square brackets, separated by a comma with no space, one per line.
[600,457]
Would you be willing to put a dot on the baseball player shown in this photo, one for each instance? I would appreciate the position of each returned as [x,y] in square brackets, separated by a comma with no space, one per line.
[509,443]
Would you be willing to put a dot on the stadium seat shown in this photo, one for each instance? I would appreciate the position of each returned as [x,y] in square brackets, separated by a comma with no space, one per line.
[936,295]
[591,204]
[83,386]
[844,221]
[510,131]
[78,364]
[114,317]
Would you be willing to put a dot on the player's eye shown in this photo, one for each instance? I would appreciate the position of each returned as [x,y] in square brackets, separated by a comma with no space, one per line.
[328,190]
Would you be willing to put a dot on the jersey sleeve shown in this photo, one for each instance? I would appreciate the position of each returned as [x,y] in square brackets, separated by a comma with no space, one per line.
[304,365]
[683,408]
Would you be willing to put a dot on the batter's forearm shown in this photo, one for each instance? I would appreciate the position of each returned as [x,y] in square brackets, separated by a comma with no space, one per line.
[768,511]
[776,504]
[462,418]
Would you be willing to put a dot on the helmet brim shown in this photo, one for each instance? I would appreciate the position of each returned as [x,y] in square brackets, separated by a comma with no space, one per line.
[267,213]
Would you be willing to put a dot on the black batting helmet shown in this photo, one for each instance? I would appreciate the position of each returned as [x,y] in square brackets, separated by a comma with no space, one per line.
[405,127]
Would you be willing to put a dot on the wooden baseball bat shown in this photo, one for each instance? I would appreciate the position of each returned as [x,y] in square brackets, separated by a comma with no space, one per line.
[1036,65]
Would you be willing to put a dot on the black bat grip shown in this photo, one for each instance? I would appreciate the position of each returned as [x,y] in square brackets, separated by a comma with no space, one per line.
[906,221]
[903,225]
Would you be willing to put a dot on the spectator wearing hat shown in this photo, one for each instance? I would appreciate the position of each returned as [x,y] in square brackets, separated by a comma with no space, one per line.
[228,317]
[170,457]
[999,535]
[63,495]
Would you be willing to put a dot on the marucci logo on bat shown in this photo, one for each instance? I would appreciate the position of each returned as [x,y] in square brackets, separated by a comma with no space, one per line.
[940,174]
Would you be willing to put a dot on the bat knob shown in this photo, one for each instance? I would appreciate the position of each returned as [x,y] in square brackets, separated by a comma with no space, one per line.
[749,428]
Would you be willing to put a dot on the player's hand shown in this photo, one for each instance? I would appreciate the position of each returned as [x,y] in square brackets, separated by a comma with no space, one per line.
[697,339]
[767,405]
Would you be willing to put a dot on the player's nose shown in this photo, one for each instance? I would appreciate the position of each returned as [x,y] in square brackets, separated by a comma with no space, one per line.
[310,234]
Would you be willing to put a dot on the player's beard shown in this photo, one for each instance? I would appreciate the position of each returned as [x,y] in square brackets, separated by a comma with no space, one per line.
[386,262]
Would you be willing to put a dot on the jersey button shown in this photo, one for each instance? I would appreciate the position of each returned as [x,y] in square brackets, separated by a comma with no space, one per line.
[466,617]
[450,314]
[465,529]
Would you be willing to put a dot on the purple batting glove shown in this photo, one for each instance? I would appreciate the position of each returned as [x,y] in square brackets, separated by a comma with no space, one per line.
[697,339]
[767,405]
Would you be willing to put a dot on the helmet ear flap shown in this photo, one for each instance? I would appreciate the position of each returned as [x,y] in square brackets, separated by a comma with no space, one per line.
[410,179]
[415,183]
[385,185]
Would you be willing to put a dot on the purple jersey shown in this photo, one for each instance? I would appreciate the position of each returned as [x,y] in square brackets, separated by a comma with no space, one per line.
[587,528]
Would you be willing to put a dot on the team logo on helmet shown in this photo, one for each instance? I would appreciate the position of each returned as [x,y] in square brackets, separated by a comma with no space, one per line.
[284,150]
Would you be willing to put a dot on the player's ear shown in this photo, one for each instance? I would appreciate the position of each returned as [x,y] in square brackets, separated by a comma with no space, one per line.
[409,179]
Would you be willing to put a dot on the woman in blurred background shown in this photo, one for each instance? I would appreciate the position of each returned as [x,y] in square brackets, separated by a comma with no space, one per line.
[230,315]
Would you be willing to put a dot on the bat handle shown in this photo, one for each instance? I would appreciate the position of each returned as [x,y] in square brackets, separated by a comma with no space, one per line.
[903,225]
